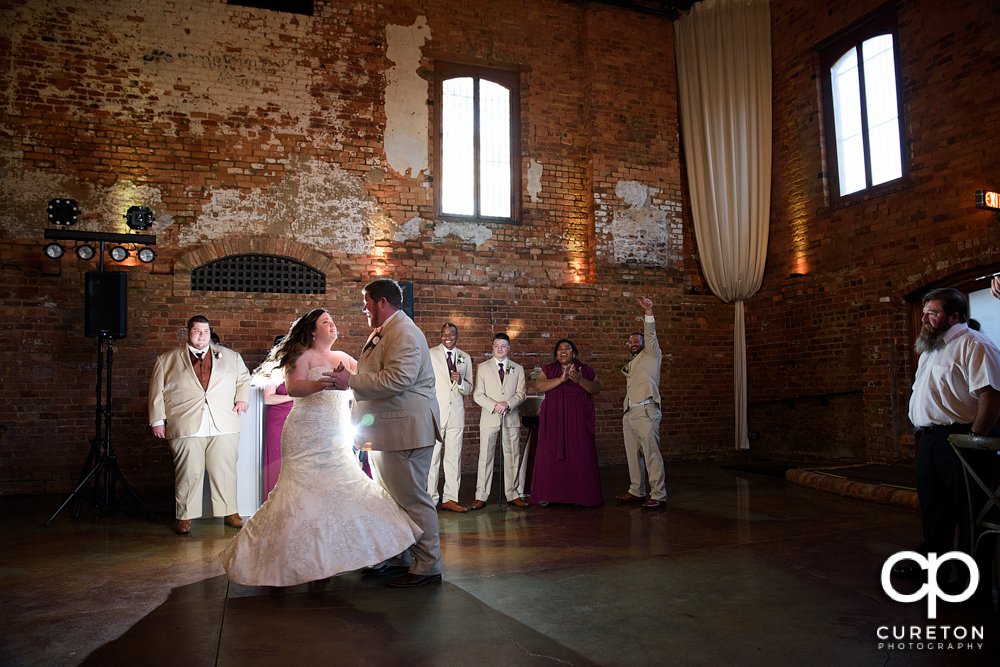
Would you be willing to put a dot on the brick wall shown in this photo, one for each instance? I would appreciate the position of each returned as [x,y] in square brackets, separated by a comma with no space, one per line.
[842,331]
[253,131]
[245,129]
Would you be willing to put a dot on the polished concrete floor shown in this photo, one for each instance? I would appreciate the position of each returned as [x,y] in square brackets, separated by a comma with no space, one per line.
[740,569]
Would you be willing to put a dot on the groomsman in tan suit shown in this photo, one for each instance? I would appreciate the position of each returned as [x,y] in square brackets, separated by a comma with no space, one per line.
[452,382]
[396,418]
[641,418]
[196,396]
[499,390]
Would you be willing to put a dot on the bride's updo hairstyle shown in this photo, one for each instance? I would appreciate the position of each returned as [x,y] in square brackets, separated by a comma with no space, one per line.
[296,341]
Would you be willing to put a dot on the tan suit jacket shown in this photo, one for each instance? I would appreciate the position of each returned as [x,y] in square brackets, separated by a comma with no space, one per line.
[489,391]
[395,407]
[451,395]
[643,372]
[176,395]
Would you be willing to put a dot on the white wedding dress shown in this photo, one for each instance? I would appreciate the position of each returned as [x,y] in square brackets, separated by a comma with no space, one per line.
[324,516]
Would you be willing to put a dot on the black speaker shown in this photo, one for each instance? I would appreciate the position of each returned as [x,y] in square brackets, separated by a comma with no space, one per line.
[407,288]
[105,305]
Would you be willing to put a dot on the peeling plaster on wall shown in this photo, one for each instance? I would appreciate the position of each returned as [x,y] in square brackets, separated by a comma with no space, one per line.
[477,234]
[534,179]
[410,230]
[406,99]
[633,193]
[321,205]
[641,234]
[24,197]
[173,75]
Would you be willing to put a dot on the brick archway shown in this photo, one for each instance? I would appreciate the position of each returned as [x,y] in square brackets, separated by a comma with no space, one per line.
[249,246]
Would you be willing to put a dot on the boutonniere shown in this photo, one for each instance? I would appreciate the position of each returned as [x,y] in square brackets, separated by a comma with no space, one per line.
[216,353]
[507,368]
[460,358]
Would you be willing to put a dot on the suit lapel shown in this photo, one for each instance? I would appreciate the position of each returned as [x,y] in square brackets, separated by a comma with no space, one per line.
[186,360]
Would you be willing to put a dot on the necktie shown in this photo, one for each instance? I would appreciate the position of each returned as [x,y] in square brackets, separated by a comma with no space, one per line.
[451,364]
[501,372]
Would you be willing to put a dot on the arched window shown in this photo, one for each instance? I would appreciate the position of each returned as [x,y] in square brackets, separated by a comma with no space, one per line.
[862,108]
[478,143]
[258,273]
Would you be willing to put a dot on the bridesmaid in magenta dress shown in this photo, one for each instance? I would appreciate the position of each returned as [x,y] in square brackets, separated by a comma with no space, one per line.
[566,460]
[279,404]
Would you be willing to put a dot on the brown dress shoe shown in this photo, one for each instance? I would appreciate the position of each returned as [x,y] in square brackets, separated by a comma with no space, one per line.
[519,502]
[182,527]
[478,505]
[411,580]
[234,520]
[629,498]
[452,506]
[653,504]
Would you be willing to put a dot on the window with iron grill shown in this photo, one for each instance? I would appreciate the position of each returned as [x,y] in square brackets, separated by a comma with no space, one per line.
[258,273]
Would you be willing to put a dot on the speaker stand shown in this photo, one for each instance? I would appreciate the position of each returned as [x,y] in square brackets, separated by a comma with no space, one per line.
[101,476]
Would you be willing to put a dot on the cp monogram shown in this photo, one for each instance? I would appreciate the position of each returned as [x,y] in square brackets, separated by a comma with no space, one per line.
[930,590]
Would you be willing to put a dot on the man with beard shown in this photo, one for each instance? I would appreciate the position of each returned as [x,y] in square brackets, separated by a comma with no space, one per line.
[641,415]
[955,391]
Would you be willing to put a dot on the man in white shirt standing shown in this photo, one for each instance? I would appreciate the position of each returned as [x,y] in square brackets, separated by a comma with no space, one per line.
[500,388]
[452,383]
[196,396]
[955,391]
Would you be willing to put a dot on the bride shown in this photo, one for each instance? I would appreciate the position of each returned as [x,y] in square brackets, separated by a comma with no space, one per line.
[324,516]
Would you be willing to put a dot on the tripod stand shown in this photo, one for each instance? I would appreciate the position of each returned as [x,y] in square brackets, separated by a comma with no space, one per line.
[100,476]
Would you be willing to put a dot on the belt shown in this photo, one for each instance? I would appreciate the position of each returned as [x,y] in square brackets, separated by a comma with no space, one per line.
[939,427]
[640,403]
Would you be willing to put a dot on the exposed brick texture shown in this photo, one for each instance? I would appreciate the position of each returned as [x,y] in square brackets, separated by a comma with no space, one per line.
[255,131]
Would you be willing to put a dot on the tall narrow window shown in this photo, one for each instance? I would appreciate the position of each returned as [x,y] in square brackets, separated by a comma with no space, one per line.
[861,102]
[478,143]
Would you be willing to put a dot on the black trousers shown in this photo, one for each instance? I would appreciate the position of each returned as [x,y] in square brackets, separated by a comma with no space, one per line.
[944,502]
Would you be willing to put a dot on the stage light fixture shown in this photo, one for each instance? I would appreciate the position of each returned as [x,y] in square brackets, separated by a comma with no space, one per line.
[119,254]
[54,250]
[146,255]
[85,252]
[63,212]
[139,218]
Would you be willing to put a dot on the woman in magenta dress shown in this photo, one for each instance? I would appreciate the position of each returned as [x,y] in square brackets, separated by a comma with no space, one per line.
[279,404]
[566,459]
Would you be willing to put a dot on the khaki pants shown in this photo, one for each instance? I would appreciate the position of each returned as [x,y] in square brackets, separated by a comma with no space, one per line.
[192,457]
[513,472]
[451,451]
[404,475]
[641,426]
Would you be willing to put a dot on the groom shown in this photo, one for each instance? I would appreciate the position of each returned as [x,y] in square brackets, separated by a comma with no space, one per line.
[395,416]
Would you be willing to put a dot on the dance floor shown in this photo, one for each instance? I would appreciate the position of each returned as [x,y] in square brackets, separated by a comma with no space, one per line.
[739,569]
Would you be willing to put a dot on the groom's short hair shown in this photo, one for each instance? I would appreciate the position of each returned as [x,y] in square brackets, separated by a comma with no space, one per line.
[385,289]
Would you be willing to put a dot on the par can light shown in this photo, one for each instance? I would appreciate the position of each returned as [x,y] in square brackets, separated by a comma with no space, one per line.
[119,254]
[54,250]
[85,252]
[146,255]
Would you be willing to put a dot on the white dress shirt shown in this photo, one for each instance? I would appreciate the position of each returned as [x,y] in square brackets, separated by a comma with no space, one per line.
[948,381]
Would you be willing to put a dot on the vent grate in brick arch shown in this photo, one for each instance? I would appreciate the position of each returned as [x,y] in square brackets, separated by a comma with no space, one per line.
[258,273]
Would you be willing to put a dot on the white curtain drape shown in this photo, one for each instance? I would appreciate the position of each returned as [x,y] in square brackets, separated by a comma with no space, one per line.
[723,52]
